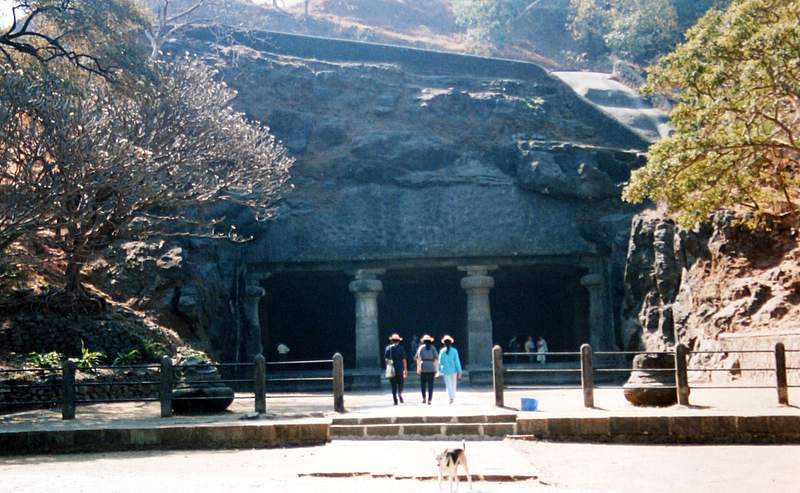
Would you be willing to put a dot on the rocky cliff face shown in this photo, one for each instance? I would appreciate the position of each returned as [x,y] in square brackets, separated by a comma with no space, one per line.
[718,287]
[401,154]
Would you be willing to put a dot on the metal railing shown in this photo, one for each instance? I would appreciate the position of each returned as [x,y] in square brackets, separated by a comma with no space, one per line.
[166,384]
[680,368]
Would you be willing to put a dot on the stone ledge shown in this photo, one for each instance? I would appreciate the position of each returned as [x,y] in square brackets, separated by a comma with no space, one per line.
[176,437]
[685,429]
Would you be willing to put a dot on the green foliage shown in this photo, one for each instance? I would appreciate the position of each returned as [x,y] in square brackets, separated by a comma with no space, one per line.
[736,142]
[48,363]
[643,29]
[129,357]
[488,20]
[89,359]
[153,350]
[635,30]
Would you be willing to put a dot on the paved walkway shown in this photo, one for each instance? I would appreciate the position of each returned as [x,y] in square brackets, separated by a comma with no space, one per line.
[384,466]
[553,403]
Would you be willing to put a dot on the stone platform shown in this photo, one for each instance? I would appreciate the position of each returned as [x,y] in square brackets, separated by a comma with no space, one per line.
[731,417]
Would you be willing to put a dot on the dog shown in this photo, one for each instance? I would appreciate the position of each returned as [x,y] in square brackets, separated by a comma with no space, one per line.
[449,462]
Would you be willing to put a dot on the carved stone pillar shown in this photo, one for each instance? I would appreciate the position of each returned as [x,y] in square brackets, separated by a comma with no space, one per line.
[366,289]
[600,330]
[251,297]
[477,283]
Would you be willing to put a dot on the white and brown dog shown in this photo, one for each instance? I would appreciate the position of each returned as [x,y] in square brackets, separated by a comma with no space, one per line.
[449,462]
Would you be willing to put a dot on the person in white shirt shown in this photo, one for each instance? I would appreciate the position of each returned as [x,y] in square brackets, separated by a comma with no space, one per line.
[283,351]
[541,348]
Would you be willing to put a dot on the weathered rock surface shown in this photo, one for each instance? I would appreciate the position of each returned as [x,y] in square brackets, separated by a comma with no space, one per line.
[719,287]
[401,154]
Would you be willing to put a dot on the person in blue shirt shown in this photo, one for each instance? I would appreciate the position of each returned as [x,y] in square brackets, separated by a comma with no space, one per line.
[449,366]
[395,355]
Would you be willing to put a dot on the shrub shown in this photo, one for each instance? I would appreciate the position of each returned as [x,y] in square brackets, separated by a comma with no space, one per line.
[154,350]
[129,357]
[47,363]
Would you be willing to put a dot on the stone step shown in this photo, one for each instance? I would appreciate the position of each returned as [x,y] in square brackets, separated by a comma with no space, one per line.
[429,430]
[391,420]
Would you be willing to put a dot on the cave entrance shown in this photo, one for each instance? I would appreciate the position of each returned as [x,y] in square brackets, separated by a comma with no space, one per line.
[311,312]
[423,301]
[546,301]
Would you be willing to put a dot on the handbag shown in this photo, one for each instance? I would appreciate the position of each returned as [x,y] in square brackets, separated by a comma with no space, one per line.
[389,368]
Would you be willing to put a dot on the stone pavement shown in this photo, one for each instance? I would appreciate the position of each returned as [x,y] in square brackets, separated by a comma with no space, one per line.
[384,466]
[469,402]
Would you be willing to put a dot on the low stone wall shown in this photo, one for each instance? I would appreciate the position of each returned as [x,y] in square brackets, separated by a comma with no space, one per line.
[106,385]
[697,429]
[166,437]
[33,332]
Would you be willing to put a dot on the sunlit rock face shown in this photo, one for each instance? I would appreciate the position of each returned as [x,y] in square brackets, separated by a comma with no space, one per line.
[413,154]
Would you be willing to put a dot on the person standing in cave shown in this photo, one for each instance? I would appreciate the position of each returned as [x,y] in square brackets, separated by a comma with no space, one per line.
[427,358]
[395,355]
[530,348]
[541,349]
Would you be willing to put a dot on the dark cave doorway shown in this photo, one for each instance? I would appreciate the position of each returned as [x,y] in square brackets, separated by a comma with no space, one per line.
[313,313]
[423,301]
[540,300]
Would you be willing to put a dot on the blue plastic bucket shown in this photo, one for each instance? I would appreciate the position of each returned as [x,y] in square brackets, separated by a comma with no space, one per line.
[529,404]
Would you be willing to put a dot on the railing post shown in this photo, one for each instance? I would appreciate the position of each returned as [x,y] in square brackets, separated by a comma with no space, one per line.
[587,376]
[68,392]
[780,374]
[260,383]
[165,391]
[681,374]
[497,375]
[338,383]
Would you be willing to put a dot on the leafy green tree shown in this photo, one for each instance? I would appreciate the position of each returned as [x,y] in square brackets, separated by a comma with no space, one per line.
[736,142]
[642,29]
[488,20]
[589,23]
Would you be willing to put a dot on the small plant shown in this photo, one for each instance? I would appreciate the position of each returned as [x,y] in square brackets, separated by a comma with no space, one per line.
[154,350]
[47,363]
[129,357]
[196,355]
[88,359]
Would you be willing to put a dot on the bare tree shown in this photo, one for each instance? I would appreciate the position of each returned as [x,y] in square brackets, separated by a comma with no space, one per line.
[173,17]
[25,193]
[86,33]
[132,165]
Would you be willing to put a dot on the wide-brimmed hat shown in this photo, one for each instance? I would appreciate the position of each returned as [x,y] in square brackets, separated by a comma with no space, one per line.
[427,337]
[395,337]
[447,338]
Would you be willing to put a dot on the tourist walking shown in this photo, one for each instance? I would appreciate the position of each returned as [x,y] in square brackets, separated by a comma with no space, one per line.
[396,358]
[449,366]
[541,348]
[427,358]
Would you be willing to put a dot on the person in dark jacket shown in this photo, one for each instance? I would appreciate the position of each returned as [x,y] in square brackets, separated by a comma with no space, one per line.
[427,361]
[395,355]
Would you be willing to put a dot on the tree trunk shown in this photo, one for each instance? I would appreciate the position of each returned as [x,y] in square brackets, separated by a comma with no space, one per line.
[73,285]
